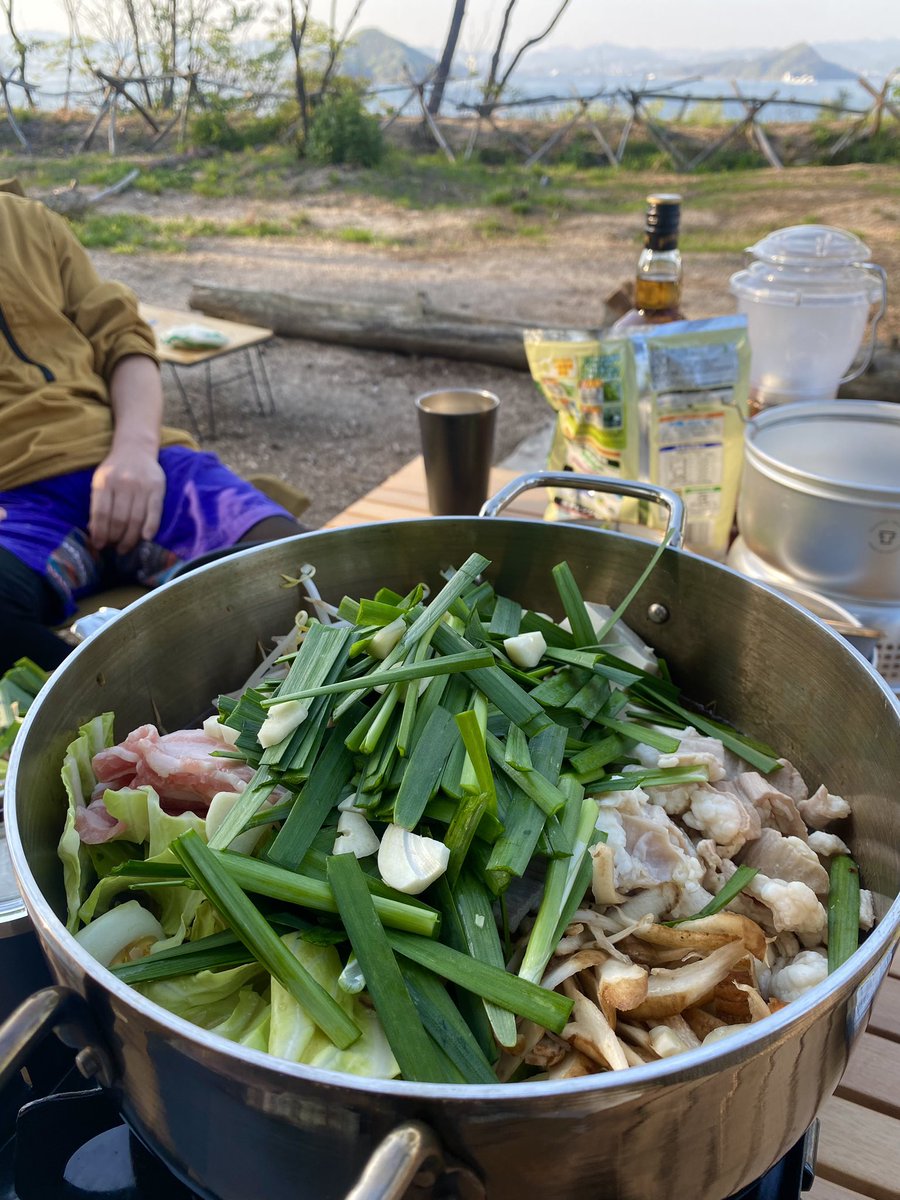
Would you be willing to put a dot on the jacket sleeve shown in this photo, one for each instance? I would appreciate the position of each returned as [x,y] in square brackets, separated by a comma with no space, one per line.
[106,313]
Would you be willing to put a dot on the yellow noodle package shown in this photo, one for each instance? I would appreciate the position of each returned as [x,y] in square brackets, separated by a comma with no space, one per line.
[665,404]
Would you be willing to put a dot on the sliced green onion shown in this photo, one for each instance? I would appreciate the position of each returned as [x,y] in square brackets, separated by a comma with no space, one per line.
[547,1009]
[506,618]
[732,888]
[473,729]
[504,693]
[764,760]
[446,664]
[640,733]
[633,591]
[443,1020]
[474,904]
[560,898]
[265,879]
[573,605]
[328,777]
[545,795]
[452,590]
[651,777]
[414,1051]
[261,940]
[424,768]
[843,910]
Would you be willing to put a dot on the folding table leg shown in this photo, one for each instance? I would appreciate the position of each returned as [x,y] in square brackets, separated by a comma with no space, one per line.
[210,409]
[264,374]
[250,371]
[185,399]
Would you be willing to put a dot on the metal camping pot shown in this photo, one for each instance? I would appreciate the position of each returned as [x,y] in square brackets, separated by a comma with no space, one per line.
[820,495]
[235,1123]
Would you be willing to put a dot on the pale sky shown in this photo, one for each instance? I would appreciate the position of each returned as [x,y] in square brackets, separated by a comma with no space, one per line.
[704,24]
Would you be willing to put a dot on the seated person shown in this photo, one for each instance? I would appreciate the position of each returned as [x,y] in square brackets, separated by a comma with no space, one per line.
[93,490]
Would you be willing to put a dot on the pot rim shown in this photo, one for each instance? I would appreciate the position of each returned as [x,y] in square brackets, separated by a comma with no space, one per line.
[871,955]
[809,482]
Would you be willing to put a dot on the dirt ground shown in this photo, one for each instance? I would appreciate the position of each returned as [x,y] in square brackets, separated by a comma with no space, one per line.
[345,418]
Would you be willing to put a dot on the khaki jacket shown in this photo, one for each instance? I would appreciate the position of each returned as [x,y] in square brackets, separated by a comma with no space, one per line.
[62,330]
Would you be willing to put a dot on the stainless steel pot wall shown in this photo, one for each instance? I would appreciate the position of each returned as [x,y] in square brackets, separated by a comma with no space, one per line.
[238,1124]
[820,495]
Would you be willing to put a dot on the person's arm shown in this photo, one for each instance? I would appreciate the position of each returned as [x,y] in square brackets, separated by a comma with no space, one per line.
[129,485]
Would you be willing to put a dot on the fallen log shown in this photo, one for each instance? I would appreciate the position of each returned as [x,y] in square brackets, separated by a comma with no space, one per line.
[72,202]
[415,327]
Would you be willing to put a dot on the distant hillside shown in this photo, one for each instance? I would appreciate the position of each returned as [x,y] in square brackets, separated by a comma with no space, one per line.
[376,56]
[798,62]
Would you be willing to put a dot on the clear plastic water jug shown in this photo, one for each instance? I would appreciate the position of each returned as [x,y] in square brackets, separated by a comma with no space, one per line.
[807,298]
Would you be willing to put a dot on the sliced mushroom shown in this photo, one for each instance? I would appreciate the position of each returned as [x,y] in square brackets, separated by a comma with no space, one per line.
[572,1066]
[622,986]
[672,991]
[603,876]
[702,1022]
[666,1041]
[730,1000]
[547,1053]
[591,1033]
[708,933]
[570,966]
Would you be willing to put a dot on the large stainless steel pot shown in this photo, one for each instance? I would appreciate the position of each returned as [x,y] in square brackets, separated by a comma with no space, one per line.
[237,1124]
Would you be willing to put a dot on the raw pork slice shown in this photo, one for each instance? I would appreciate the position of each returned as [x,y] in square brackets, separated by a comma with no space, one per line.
[180,766]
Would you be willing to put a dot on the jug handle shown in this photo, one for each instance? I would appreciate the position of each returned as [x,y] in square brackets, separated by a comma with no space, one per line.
[882,309]
[669,500]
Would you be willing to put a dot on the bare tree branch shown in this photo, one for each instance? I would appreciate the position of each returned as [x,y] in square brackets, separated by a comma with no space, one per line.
[336,44]
[443,72]
[493,89]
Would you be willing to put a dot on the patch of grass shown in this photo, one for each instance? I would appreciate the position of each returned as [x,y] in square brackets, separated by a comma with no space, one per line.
[353,233]
[127,233]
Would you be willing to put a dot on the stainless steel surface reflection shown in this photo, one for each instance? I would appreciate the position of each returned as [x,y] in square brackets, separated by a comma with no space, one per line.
[235,1123]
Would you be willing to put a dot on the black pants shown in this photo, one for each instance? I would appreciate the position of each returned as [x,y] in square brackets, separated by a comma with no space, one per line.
[28,605]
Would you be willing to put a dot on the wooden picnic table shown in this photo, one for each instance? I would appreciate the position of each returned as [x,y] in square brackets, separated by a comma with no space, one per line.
[859,1139]
[242,339]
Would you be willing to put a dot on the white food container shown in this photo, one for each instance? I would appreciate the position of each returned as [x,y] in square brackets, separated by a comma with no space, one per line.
[807,299]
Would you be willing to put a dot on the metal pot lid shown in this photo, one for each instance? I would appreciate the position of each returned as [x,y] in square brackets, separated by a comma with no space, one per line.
[847,449]
[820,246]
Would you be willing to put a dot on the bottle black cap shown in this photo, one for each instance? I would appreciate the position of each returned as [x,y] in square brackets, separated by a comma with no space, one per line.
[663,213]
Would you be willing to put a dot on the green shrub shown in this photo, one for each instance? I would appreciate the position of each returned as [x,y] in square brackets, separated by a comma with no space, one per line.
[224,125]
[343,132]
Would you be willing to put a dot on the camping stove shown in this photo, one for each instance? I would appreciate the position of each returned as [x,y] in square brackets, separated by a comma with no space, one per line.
[72,1144]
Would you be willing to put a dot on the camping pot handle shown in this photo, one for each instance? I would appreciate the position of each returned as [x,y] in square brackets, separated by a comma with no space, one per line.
[396,1161]
[882,309]
[52,1008]
[593,483]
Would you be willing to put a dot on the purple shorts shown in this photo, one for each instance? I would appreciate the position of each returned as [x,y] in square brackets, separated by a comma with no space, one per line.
[206,507]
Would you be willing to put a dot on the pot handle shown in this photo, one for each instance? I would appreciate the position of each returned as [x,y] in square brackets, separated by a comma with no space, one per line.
[396,1161]
[593,483]
[35,1018]
[882,309]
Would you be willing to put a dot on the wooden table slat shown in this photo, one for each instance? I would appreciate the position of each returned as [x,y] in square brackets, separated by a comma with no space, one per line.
[885,1019]
[858,1149]
[872,1077]
[823,1190]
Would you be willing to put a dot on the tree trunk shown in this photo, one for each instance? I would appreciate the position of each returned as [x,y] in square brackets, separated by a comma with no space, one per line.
[411,328]
[446,63]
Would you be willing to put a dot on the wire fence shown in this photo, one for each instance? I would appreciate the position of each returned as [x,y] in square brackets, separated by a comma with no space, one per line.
[610,115]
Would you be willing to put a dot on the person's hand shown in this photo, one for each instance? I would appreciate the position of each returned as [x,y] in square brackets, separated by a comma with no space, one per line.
[126,499]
